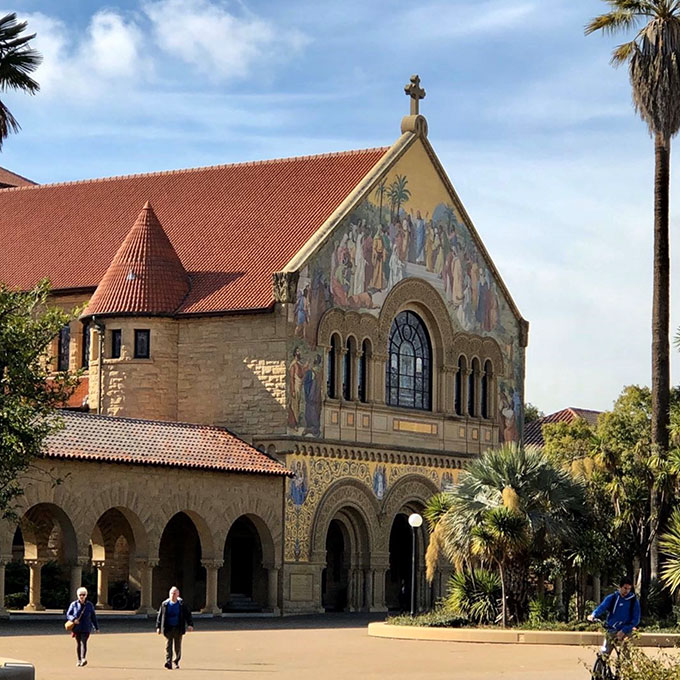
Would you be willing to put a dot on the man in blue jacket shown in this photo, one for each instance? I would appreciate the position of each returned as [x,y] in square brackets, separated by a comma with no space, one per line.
[622,611]
[173,620]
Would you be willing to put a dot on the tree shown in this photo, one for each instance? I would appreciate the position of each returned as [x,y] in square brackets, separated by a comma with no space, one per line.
[398,193]
[653,58]
[501,535]
[17,61]
[380,192]
[524,481]
[531,413]
[29,390]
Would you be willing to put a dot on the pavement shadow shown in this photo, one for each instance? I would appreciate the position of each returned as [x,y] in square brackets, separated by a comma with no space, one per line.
[112,627]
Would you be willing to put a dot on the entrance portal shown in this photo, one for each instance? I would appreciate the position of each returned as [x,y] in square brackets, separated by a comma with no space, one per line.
[334,579]
[244,586]
[398,579]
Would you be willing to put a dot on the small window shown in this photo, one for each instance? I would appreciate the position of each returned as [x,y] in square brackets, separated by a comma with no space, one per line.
[362,377]
[473,378]
[330,368]
[64,347]
[486,392]
[85,359]
[115,343]
[458,388]
[142,344]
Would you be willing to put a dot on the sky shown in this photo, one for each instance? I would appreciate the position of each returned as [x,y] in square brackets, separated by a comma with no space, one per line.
[534,127]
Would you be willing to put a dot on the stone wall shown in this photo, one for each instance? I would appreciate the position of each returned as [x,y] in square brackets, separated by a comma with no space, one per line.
[232,372]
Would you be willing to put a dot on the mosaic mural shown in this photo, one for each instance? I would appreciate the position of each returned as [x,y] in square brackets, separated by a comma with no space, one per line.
[406,227]
[312,478]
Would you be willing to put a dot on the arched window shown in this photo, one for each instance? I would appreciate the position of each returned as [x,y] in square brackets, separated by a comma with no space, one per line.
[348,369]
[487,378]
[409,368]
[331,374]
[362,377]
[458,387]
[473,377]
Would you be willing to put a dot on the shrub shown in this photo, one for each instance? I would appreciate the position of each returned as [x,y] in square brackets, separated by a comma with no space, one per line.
[475,595]
[439,618]
[636,665]
[542,609]
[16,600]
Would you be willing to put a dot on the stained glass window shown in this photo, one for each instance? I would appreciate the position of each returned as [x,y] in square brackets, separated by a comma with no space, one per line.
[409,368]
[64,347]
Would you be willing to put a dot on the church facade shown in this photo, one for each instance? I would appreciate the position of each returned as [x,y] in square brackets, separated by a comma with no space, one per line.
[336,319]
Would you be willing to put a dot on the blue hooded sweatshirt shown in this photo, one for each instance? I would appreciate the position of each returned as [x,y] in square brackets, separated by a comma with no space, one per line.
[623,613]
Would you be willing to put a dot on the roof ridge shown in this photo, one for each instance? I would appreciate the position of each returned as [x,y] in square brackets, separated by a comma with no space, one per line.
[202,168]
[174,423]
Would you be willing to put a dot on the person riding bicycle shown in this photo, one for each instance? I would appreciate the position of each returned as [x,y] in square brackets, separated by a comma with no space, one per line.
[622,609]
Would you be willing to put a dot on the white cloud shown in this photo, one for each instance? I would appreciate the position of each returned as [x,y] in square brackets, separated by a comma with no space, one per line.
[464,19]
[216,41]
[113,47]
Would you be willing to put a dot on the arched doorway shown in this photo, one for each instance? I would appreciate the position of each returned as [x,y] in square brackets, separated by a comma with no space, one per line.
[243,582]
[45,541]
[114,545]
[334,577]
[180,562]
[343,585]
[398,581]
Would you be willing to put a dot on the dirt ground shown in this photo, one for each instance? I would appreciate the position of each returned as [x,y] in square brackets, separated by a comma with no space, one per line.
[332,647]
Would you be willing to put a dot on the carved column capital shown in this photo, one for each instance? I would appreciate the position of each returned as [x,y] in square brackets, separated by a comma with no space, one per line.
[212,564]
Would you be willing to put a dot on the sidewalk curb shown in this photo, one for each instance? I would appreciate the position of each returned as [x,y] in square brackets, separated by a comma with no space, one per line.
[512,636]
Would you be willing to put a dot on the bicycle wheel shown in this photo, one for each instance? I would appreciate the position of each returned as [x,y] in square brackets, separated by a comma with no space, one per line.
[600,669]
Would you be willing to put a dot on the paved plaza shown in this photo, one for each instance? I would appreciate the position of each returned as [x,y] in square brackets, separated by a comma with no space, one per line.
[334,647]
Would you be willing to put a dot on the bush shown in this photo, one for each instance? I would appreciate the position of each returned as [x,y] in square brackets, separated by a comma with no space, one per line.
[542,609]
[16,600]
[475,595]
[636,665]
[439,618]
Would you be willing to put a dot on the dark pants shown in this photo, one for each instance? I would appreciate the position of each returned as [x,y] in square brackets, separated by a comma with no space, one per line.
[81,645]
[173,634]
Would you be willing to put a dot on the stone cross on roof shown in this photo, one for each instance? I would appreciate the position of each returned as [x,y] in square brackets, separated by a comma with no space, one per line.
[416,93]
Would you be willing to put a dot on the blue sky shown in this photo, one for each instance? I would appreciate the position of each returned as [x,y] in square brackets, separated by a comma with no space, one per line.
[533,126]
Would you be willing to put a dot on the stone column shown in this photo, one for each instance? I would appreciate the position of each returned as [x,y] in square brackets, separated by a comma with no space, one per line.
[34,604]
[102,585]
[211,569]
[146,572]
[378,604]
[273,589]
[77,575]
[350,589]
[359,590]
[4,614]
[368,589]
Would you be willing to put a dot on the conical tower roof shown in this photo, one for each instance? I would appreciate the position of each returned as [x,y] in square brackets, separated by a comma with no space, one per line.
[145,277]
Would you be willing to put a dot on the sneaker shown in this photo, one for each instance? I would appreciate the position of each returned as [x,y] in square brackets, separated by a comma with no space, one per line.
[83,662]
[176,664]
[79,663]
[168,665]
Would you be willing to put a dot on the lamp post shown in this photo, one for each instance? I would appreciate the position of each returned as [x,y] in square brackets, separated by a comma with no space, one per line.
[415,520]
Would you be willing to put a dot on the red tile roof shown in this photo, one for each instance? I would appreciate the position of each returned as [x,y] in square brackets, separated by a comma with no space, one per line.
[145,276]
[11,179]
[533,431]
[152,442]
[232,226]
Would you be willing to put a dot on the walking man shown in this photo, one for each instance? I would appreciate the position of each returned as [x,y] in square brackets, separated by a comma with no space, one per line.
[173,620]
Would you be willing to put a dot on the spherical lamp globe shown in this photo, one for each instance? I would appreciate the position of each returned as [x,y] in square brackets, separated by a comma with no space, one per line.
[415,520]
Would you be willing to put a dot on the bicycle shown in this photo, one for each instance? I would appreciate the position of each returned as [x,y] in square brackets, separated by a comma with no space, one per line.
[606,668]
[125,599]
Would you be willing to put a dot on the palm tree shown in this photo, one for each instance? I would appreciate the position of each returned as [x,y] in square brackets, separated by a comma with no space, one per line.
[380,192]
[501,535]
[669,542]
[17,60]
[653,58]
[398,193]
[521,480]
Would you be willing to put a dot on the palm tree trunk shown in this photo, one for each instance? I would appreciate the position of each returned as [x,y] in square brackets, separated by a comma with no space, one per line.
[661,380]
